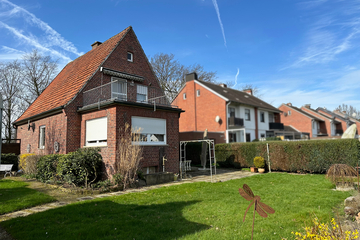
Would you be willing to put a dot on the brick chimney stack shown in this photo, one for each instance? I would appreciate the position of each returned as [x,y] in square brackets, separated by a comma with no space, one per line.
[191,76]
[95,44]
[248,91]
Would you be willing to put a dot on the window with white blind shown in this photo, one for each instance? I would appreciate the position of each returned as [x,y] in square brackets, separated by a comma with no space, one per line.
[142,93]
[151,130]
[42,137]
[119,89]
[96,132]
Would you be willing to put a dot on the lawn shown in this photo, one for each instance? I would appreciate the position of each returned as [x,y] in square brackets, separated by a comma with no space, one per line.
[189,211]
[14,195]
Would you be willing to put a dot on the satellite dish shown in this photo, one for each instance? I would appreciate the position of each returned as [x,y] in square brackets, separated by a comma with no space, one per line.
[354,115]
[217,119]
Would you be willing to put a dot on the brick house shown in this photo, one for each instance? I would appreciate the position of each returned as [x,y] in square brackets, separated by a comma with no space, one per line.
[345,120]
[92,98]
[229,115]
[307,120]
[331,126]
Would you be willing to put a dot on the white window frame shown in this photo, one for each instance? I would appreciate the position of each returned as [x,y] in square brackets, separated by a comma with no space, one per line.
[184,96]
[289,112]
[42,137]
[143,91]
[247,116]
[198,93]
[262,117]
[114,92]
[149,128]
[98,135]
[131,59]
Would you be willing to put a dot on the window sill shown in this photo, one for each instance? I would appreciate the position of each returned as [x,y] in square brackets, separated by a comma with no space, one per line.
[95,146]
[153,145]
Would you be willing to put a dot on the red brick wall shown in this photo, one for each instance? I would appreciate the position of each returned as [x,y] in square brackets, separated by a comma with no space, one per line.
[55,130]
[117,117]
[341,126]
[324,127]
[201,111]
[296,119]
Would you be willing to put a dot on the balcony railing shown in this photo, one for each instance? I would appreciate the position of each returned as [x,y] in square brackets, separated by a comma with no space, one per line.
[275,125]
[233,121]
[104,93]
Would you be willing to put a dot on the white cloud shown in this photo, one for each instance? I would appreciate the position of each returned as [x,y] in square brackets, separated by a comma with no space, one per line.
[219,18]
[31,40]
[331,34]
[52,37]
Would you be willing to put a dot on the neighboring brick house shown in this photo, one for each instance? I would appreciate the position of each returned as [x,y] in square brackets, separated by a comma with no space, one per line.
[229,115]
[92,98]
[331,126]
[302,121]
[345,122]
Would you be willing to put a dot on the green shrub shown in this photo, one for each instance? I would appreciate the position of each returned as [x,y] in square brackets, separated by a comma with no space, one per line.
[46,167]
[31,164]
[259,162]
[80,168]
[315,156]
[10,158]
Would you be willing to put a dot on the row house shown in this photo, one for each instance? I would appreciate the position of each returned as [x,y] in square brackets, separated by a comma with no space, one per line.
[229,115]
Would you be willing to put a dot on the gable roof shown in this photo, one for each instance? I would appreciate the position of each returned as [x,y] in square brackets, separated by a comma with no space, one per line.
[304,113]
[319,113]
[334,114]
[72,78]
[233,95]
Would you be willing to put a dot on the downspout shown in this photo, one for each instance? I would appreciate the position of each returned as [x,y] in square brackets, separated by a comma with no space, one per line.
[1,109]
[227,122]
[256,124]
[195,107]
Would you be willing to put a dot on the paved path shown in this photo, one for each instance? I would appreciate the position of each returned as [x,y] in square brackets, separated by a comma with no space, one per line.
[198,176]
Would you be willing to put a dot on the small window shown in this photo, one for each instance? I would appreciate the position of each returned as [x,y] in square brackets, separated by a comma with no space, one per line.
[142,93]
[184,96]
[129,56]
[248,137]
[262,117]
[42,137]
[198,92]
[247,115]
[262,135]
[231,112]
[289,112]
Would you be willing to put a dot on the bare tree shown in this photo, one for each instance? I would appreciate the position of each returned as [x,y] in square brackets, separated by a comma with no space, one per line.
[38,72]
[171,73]
[11,88]
[351,111]
[255,89]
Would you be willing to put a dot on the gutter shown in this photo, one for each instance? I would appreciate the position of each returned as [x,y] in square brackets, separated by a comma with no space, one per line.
[40,115]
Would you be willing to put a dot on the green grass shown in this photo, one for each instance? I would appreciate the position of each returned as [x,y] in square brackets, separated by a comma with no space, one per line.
[189,211]
[14,195]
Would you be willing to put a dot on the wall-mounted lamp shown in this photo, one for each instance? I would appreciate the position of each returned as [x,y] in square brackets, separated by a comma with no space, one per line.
[31,125]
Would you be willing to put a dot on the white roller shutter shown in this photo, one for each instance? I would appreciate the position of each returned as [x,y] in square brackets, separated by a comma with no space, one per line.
[149,125]
[96,131]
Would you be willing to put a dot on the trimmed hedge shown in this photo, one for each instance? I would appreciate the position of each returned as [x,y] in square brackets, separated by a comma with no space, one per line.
[313,156]
[46,167]
[10,158]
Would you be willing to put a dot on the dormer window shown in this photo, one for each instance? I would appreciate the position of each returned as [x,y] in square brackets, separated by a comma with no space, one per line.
[129,56]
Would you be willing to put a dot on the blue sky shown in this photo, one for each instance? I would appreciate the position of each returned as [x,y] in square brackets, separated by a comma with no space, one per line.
[298,51]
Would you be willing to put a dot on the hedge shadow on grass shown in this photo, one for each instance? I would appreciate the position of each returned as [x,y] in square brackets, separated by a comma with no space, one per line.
[105,219]
[15,195]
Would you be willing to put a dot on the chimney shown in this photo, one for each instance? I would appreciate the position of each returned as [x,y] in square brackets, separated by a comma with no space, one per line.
[248,91]
[191,76]
[289,104]
[95,44]
[223,85]
[307,106]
